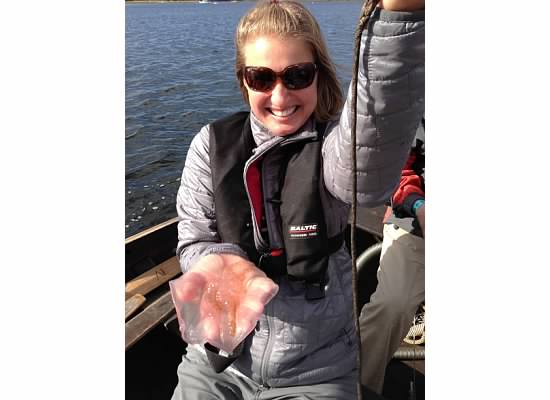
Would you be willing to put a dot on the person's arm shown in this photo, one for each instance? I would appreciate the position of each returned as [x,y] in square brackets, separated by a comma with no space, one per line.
[197,235]
[390,105]
[409,198]
[221,294]
[421,217]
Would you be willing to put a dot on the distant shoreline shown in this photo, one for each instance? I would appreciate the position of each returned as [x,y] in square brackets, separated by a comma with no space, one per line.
[161,1]
[196,1]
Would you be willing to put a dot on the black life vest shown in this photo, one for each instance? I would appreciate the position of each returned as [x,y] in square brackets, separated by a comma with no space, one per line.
[294,202]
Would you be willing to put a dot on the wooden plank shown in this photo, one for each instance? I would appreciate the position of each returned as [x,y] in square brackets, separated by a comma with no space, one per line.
[146,320]
[132,304]
[149,248]
[149,231]
[153,278]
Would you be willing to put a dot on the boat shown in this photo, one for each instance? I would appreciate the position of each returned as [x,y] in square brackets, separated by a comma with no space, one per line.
[153,344]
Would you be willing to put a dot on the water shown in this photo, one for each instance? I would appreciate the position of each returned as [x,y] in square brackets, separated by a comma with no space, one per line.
[180,76]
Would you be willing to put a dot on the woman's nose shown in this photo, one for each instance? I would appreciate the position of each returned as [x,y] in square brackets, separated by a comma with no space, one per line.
[279,92]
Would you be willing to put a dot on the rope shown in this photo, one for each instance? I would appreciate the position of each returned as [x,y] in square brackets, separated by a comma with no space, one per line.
[368,7]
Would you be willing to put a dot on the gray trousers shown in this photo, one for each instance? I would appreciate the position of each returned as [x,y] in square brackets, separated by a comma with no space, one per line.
[387,318]
[197,381]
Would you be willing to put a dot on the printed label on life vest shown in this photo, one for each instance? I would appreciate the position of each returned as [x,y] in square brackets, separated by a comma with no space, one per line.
[302,231]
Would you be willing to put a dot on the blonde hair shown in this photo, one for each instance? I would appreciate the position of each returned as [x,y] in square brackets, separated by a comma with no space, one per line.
[289,18]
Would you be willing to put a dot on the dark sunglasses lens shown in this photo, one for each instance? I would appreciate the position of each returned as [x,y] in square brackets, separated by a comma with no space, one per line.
[299,76]
[260,79]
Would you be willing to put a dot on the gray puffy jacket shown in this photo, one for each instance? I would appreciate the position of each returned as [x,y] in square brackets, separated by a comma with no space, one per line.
[297,342]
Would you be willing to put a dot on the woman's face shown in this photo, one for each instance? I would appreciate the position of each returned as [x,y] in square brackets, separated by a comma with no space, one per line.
[281,110]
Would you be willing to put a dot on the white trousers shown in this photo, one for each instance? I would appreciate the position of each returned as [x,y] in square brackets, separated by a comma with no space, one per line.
[387,318]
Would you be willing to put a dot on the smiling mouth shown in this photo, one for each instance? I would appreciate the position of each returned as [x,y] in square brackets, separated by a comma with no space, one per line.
[283,113]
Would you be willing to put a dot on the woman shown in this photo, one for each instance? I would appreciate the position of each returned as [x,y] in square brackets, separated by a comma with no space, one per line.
[264,201]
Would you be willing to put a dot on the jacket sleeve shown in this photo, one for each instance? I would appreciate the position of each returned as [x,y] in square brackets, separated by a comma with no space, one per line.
[411,186]
[197,233]
[390,105]
[410,189]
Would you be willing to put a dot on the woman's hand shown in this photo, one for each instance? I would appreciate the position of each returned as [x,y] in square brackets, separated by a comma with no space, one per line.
[220,299]
[402,5]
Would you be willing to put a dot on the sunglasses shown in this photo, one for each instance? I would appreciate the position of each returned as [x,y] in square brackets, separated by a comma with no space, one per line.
[293,77]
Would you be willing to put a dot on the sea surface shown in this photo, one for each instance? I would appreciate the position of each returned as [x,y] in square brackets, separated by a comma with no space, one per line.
[180,76]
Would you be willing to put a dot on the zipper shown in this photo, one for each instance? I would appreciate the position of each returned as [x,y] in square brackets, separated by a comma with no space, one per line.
[298,138]
[265,246]
[267,351]
[260,390]
[255,227]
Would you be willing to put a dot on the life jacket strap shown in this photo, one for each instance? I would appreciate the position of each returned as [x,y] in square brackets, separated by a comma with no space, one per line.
[273,263]
[220,362]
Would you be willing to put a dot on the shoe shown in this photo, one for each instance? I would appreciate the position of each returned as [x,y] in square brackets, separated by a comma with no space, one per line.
[417,332]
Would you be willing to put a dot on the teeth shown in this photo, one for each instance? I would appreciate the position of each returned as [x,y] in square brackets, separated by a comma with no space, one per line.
[284,113]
